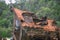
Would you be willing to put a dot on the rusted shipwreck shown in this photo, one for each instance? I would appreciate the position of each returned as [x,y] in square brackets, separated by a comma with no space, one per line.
[27,26]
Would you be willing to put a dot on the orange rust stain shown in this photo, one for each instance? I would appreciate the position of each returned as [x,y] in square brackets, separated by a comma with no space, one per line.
[24,24]
[18,13]
[28,24]
[49,27]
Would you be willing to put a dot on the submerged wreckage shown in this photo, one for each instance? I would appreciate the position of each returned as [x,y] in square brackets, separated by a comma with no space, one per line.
[27,26]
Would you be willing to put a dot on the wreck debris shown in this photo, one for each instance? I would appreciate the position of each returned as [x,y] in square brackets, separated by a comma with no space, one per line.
[32,28]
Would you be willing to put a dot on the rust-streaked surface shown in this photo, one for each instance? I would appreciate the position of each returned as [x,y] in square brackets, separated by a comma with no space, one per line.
[48,25]
[19,13]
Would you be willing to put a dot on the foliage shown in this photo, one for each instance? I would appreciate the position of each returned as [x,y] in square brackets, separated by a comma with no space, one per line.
[5,32]
[5,20]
